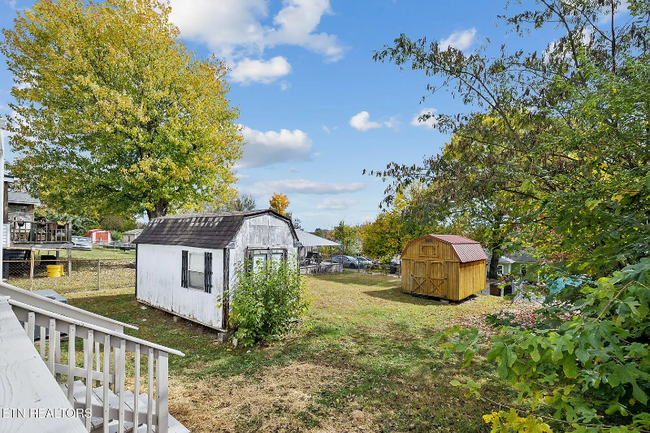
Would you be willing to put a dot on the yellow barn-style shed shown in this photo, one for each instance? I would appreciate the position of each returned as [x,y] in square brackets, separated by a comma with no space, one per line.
[444,266]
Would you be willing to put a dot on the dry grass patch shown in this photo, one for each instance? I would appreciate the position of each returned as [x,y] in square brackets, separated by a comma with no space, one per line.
[275,399]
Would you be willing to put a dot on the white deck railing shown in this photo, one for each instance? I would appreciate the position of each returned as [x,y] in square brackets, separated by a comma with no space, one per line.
[103,365]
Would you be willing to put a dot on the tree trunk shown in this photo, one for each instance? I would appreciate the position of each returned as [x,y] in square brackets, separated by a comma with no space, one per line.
[494,262]
[160,210]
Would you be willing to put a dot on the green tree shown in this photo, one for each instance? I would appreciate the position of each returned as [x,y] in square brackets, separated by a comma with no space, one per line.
[114,115]
[349,237]
[240,203]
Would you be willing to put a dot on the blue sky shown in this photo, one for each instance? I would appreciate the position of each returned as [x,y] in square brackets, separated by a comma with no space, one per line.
[316,110]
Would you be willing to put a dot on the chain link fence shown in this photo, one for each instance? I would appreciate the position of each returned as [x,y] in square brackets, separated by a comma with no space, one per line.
[78,274]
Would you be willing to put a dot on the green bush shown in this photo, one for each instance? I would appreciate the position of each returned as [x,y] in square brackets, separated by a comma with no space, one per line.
[265,302]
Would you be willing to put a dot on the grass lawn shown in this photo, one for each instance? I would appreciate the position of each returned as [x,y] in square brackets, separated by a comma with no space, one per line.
[102,253]
[364,362]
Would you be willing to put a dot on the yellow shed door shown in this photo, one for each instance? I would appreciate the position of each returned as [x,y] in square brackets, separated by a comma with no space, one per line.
[429,278]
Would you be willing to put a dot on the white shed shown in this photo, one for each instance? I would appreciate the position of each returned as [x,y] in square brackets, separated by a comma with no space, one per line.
[185,263]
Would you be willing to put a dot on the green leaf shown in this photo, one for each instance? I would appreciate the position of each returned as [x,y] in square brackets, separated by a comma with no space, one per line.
[569,367]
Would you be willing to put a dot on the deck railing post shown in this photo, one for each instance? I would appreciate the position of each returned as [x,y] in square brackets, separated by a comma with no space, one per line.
[88,363]
[72,330]
[107,381]
[119,383]
[162,403]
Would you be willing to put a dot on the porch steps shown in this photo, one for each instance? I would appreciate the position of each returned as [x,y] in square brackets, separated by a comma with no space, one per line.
[97,396]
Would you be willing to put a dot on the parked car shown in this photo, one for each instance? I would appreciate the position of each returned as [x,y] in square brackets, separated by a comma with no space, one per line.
[395,266]
[348,261]
[81,243]
[365,262]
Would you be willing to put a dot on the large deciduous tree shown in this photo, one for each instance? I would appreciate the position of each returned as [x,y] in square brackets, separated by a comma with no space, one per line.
[113,114]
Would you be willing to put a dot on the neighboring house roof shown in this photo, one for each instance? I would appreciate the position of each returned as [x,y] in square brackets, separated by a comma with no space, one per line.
[15,197]
[133,232]
[204,230]
[311,240]
[467,250]
[97,230]
[518,257]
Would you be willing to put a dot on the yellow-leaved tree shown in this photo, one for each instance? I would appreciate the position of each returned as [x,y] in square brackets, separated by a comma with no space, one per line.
[113,114]
[279,203]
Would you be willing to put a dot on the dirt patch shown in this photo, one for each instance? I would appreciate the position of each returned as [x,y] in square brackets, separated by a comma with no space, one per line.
[275,399]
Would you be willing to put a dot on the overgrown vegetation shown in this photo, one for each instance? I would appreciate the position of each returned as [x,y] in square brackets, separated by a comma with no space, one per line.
[267,298]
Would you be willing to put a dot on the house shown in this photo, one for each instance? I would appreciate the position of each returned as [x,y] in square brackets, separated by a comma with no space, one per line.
[99,236]
[515,264]
[185,264]
[443,266]
[23,238]
[20,206]
[45,390]
[129,237]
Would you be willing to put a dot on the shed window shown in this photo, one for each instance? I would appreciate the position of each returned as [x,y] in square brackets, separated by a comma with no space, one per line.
[259,257]
[197,271]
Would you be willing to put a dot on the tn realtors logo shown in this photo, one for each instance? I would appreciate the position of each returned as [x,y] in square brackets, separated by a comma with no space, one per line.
[39,412]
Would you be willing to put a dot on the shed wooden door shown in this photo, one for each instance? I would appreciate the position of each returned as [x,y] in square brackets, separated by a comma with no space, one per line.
[438,279]
[429,278]
[419,278]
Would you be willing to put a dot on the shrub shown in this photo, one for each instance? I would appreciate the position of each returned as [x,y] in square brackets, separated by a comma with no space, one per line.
[266,301]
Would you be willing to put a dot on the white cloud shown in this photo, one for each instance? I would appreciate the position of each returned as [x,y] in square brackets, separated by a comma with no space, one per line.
[304,186]
[362,122]
[266,148]
[284,85]
[297,22]
[461,40]
[393,123]
[430,122]
[260,71]
[234,28]
[326,129]
[335,204]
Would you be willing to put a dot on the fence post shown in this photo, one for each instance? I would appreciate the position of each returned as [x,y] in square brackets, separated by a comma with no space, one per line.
[31,270]
[99,274]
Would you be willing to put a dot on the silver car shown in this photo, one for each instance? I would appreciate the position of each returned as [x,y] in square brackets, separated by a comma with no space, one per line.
[81,243]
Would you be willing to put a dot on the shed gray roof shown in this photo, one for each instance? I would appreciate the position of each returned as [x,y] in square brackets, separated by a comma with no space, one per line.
[310,240]
[15,197]
[203,230]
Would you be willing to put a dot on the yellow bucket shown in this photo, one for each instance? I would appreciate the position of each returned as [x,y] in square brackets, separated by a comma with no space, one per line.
[54,271]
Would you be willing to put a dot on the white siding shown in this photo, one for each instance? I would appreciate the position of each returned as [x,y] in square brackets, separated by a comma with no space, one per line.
[159,270]
[264,231]
[159,283]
